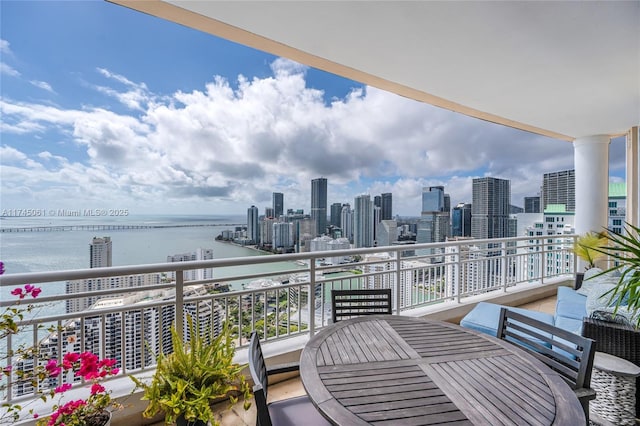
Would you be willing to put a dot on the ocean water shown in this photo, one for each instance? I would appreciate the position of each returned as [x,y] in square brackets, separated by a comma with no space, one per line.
[41,251]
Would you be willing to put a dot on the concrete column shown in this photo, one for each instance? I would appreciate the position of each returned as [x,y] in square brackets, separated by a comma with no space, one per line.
[633,180]
[591,157]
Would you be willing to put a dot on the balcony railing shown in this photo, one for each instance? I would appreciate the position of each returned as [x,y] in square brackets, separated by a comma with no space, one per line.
[138,304]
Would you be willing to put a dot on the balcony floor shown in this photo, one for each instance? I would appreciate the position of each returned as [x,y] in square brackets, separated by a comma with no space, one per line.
[293,387]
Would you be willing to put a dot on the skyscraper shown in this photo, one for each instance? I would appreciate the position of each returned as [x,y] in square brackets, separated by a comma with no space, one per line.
[559,188]
[387,206]
[319,204]
[278,204]
[100,252]
[363,222]
[491,198]
[253,226]
[434,221]
[433,199]
[336,211]
[461,220]
[346,219]
[532,204]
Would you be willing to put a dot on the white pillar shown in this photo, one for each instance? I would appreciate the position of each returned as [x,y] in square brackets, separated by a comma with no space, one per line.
[633,180]
[591,157]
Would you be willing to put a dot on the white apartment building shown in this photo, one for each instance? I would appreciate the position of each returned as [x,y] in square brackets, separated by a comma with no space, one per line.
[144,331]
[193,274]
[556,223]
[387,233]
[266,231]
[100,252]
[283,236]
[108,283]
[416,278]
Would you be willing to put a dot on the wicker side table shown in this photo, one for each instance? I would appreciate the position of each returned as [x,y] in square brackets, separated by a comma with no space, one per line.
[614,380]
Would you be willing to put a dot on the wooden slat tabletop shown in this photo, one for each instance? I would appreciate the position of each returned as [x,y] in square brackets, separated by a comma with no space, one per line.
[395,370]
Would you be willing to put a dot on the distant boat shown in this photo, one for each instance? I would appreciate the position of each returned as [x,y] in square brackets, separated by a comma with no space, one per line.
[302,262]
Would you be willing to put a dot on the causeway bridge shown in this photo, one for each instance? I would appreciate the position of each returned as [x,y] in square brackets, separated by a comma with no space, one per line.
[59,228]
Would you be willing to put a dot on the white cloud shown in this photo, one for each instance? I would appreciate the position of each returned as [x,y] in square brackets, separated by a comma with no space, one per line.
[8,70]
[222,147]
[4,47]
[42,85]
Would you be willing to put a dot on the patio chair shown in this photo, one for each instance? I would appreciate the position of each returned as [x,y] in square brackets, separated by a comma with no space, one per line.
[353,303]
[287,412]
[569,354]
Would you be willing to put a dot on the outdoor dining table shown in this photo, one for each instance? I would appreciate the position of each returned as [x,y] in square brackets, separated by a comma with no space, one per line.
[399,370]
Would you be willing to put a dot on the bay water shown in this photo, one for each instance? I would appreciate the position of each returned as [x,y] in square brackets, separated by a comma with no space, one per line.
[43,251]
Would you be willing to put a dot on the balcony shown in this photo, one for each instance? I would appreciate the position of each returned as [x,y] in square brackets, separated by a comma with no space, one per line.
[441,281]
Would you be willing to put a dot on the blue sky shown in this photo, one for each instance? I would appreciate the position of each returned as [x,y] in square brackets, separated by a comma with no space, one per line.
[104,107]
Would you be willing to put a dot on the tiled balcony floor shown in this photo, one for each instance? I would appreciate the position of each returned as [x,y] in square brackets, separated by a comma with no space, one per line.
[293,387]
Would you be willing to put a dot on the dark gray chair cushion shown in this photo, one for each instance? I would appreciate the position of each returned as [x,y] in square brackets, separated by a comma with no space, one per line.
[296,411]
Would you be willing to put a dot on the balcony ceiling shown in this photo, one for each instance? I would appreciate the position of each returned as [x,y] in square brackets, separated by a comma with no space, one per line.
[562,69]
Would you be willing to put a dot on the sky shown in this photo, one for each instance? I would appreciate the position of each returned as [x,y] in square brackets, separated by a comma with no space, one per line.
[106,108]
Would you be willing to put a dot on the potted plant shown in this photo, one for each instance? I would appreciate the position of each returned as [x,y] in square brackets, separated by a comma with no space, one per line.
[198,373]
[624,250]
[586,248]
[93,410]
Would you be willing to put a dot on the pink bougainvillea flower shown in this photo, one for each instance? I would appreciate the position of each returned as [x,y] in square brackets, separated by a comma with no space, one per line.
[107,362]
[62,388]
[97,388]
[69,359]
[1,268]
[35,292]
[18,292]
[52,368]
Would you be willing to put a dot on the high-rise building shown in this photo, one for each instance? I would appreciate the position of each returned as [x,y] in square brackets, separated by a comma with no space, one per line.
[363,222]
[100,252]
[433,199]
[433,225]
[532,204]
[266,231]
[253,226]
[387,233]
[377,201]
[319,204]
[617,206]
[336,211]
[193,274]
[386,206]
[461,220]
[559,188]
[283,236]
[346,219]
[268,212]
[490,205]
[278,204]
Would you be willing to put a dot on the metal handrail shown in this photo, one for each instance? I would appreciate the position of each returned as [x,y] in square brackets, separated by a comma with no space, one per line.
[449,271]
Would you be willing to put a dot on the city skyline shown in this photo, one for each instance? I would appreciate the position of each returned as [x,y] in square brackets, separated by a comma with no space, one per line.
[118,123]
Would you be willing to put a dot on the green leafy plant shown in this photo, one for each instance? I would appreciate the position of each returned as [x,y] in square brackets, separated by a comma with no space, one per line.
[586,247]
[624,249]
[198,373]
